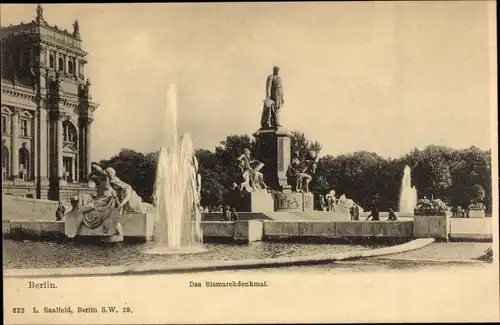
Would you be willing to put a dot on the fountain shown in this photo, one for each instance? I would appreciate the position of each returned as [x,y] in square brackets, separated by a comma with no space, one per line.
[408,195]
[177,191]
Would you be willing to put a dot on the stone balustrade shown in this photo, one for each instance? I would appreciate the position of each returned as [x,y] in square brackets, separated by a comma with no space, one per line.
[142,226]
[28,209]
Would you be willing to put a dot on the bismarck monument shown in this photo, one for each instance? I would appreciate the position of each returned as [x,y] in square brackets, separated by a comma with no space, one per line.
[273,181]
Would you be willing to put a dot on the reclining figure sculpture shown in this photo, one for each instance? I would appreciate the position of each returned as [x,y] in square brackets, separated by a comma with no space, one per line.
[114,198]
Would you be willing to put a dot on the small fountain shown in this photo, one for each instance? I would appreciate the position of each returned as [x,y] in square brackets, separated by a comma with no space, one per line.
[408,195]
[177,191]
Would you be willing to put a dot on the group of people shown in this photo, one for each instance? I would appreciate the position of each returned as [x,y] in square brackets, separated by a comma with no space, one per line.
[459,212]
[229,214]
[327,202]
[374,215]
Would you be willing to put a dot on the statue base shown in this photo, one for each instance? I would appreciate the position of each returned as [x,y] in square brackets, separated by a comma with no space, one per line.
[292,201]
[135,225]
[274,146]
[253,202]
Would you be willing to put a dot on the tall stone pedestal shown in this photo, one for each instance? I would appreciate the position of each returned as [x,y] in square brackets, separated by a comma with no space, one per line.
[253,202]
[273,149]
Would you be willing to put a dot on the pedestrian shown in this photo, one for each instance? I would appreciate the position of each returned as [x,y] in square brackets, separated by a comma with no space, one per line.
[392,216]
[373,214]
[228,213]
[224,213]
[234,215]
[322,203]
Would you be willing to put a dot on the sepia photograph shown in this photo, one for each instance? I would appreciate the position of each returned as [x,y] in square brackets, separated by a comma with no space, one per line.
[273,162]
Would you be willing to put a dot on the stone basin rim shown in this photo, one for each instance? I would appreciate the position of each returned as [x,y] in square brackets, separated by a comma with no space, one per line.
[204,266]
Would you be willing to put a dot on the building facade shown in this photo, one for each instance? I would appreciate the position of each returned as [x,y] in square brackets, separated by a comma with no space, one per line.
[47,111]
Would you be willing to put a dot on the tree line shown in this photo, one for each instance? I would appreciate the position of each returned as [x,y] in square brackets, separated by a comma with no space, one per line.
[455,176]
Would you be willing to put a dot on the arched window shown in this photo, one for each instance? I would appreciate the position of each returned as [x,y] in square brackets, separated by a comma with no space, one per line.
[6,120]
[70,67]
[5,162]
[5,124]
[51,61]
[69,132]
[24,162]
[61,64]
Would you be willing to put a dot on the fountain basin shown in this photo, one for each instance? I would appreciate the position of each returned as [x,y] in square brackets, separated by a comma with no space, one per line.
[253,230]
[137,225]
[439,227]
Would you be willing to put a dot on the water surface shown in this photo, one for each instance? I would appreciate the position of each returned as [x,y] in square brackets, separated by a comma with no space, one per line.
[32,254]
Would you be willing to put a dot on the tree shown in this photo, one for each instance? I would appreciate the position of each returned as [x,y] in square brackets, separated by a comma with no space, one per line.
[211,187]
[456,176]
[301,146]
[133,168]
[431,172]
[477,193]
[227,153]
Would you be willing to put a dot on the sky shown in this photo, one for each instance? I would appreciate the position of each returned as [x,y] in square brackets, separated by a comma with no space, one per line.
[378,76]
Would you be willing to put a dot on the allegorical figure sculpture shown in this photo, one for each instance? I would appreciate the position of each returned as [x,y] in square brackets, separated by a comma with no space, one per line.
[274,101]
[114,197]
[253,180]
[39,13]
[301,172]
[76,29]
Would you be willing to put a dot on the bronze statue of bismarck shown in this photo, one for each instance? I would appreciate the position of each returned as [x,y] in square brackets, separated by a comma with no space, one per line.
[274,101]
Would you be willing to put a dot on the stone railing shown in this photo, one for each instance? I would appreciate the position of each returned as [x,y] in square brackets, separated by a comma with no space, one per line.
[19,208]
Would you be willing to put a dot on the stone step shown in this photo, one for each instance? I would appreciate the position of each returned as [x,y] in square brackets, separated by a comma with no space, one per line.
[217,216]
[324,215]
[282,216]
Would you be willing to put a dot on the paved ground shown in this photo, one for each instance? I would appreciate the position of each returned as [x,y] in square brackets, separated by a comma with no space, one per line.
[442,252]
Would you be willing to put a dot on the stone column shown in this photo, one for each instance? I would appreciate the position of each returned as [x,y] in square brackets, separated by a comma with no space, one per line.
[76,71]
[65,64]
[77,156]
[34,149]
[59,127]
[88,161]
[44,56]
[14,150]
[81,151]
[43,146]
[73,169]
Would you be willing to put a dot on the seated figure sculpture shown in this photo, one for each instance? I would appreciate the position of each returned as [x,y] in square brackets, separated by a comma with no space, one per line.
[253,180]
[114,197]
[301,171]
[129,201]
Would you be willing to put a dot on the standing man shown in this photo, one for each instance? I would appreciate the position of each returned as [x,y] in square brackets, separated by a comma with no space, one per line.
[274,100]
[356,211]
[374,214]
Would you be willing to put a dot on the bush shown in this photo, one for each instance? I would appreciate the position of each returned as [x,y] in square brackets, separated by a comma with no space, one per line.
[435,207]
[477,193]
